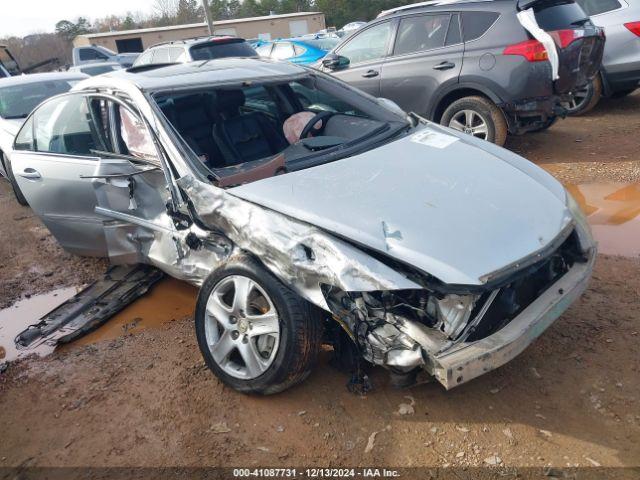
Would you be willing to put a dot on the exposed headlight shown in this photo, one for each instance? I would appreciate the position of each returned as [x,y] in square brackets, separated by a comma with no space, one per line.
[584,230]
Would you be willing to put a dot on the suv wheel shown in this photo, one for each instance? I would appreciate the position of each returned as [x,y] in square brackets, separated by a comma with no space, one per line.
[12,180]
[477,116]
[254,333]
[585,99]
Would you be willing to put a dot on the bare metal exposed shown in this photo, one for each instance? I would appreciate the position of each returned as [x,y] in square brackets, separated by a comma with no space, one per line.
[305,210]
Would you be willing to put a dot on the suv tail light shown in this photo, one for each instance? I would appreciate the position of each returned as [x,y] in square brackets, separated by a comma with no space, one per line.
[564,38]
[634,27]
[532,50]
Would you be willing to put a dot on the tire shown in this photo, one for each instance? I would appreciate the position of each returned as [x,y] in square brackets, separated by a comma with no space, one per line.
[548,124]
[589,98]
[477,116]
[283,362]
[12,180]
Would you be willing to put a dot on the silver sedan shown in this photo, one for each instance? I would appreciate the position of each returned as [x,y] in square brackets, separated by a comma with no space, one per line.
[308,211]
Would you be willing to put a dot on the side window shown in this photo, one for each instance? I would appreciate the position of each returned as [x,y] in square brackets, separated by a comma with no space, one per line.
[475,24]
[24,139]
[133,136]
[91,54]
[145,58]
[259,99]
[316,100]
[264,50]
[371,44]
[421,33]
[282,51]
[454,35]
[175,54]
[161,55]
[67,125]
[596,7]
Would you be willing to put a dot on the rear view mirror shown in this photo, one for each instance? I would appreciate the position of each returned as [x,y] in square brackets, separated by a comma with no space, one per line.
[335,62]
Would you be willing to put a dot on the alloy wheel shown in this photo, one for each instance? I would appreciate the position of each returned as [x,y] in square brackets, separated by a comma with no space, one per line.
[242,327]
[470,122]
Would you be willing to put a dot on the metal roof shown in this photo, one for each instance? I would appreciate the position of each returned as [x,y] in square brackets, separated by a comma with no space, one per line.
[200,73]
[197,25]
[40,77]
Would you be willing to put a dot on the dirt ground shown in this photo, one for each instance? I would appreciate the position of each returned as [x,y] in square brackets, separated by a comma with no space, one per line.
[146,399]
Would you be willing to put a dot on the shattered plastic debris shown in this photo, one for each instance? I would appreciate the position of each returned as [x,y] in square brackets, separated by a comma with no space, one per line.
[220,427]
[407,408]
[592,462]
[493,460]
[371,442]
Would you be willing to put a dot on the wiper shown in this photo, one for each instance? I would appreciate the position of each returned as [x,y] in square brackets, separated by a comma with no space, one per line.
[16,117]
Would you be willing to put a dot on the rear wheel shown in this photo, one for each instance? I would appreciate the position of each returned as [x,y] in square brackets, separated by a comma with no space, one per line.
[254,333]
[477,116]
[585,99]
[14,185]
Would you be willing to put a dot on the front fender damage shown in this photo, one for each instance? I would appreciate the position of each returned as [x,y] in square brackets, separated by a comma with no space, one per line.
[302,256]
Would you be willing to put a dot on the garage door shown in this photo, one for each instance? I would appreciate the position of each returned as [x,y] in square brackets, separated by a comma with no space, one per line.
[298,28]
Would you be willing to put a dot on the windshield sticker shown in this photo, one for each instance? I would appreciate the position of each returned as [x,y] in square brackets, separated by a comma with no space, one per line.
[434,139]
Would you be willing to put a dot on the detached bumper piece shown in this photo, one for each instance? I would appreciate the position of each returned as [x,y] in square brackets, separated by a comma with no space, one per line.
[92,307]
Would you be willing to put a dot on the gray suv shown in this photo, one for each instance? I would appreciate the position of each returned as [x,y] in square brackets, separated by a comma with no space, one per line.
[472,65]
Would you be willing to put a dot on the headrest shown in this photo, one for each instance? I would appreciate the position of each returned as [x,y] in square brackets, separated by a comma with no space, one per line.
[230,100]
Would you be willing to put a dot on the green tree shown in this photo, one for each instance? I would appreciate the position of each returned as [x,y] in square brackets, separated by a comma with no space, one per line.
[188,11]
[69,30]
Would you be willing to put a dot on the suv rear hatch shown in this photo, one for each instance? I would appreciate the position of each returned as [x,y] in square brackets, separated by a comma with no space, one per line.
[222,47]
[580,43]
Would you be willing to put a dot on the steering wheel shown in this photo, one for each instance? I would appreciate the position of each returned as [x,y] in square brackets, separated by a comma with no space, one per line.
[311,128]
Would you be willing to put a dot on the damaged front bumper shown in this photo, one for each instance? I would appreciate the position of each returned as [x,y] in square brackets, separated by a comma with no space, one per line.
[468,361]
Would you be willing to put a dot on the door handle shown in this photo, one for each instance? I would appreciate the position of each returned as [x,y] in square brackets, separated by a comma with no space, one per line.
[444,66]
[371,74]
[30,173]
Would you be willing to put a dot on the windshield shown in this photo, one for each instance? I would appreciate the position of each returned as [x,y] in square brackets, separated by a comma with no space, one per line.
[17,101]
[213,50]
[326,44]
[275,126]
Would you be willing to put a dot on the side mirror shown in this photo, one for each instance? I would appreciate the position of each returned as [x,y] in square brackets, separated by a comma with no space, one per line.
[335,62]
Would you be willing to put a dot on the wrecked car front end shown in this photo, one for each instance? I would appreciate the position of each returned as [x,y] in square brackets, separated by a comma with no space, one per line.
[430,250]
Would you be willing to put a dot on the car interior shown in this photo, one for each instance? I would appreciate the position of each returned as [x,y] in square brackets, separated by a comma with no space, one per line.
[228,127]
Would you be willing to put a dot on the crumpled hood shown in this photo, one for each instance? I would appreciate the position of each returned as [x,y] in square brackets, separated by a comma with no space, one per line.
[431,200]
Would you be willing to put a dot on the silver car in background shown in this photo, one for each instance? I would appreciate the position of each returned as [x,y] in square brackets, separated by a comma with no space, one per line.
[620,73]
[19,95]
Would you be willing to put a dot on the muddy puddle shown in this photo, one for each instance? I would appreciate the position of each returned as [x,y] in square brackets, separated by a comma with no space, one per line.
[613,210]
[15,319]
[169,300]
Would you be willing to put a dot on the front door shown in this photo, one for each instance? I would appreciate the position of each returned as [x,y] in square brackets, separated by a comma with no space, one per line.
[366,52]
[53,161]
[427,55]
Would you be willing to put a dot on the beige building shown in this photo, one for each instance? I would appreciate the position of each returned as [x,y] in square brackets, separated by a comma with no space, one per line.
[267,28]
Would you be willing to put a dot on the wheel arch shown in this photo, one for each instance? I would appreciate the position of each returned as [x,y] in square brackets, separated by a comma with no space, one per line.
[460,90]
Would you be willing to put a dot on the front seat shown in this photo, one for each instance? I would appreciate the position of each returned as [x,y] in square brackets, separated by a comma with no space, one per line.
[244,137]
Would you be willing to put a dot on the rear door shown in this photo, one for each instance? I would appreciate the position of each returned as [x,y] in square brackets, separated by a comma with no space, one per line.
[427,54]
[53,161]
[579,42]
[366,52]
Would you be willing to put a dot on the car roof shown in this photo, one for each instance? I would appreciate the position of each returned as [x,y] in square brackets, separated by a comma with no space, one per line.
[40,77]
[200,40]
[209,72]
[439,5]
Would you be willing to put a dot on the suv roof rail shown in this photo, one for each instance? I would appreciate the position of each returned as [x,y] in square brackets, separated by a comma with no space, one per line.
[193,39]
[430,3]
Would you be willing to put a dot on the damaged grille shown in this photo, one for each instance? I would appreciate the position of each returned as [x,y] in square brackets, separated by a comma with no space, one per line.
[514,297]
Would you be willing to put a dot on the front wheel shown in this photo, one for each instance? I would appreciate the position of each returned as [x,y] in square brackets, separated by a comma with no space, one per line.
[254,333]
[477,116]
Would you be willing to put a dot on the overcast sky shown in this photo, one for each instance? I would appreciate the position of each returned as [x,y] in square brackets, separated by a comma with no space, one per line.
[22,17]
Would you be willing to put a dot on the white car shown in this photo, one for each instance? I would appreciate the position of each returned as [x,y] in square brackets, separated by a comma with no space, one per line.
[19,95]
